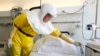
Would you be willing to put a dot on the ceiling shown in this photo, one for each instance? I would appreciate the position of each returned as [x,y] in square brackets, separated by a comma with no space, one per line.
[6,5]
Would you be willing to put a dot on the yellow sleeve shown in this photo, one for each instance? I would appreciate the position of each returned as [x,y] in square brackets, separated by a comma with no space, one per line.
[19,20]
[56,32]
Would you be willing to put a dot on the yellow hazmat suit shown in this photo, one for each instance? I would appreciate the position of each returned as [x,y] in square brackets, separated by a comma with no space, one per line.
[22,43]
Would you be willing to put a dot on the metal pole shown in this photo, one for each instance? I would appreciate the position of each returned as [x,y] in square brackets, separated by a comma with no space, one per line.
[96,18]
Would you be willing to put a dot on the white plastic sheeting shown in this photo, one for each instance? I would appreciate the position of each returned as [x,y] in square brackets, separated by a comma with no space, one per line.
[52,46]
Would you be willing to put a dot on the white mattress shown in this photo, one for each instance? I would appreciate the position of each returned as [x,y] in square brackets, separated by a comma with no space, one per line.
[53,46]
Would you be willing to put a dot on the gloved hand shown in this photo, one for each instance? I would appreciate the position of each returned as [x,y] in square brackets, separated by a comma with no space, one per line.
[77,43]
[66,38]
[9,42]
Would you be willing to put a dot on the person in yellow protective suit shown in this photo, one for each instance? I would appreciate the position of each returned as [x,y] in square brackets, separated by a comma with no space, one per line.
[29,24]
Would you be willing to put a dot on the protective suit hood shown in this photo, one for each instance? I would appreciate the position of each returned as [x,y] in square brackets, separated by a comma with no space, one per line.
[35,19]
[47,8]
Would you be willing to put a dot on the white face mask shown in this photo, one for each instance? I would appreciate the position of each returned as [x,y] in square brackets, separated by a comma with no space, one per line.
[35,19]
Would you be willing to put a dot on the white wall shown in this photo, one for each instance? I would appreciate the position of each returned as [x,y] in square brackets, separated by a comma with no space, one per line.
[6,5]
[89,17]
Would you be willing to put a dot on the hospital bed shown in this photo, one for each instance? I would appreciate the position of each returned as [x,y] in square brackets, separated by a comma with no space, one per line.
[53,46]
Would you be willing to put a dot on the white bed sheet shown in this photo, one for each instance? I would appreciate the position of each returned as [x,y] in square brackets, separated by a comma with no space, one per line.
[53,46]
